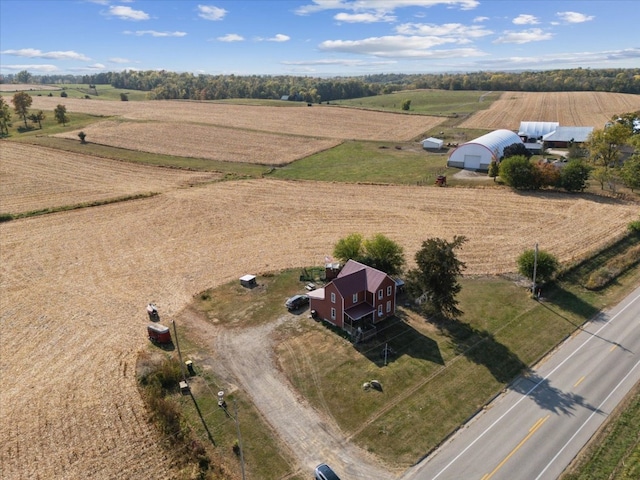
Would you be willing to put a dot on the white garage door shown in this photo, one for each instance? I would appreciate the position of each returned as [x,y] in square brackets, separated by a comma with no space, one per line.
[472,162]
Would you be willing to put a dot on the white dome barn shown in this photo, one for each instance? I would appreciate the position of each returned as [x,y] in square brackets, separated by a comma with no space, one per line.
[478,154]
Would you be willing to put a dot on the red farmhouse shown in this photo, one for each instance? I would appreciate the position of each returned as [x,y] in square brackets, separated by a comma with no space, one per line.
[357,299]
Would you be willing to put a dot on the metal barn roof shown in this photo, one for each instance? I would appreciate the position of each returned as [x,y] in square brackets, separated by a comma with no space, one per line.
[567,134]
[537,129]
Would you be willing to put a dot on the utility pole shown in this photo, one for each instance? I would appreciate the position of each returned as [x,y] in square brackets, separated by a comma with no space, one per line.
[175,334]
[535,267]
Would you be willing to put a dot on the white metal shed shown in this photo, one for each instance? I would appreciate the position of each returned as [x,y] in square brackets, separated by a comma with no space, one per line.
[432,143]
[478,154]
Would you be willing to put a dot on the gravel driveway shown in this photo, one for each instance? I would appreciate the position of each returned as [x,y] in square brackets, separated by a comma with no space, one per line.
[246,356]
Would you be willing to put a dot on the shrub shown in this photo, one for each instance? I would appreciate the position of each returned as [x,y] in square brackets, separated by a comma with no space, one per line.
[634,227]
[63,94]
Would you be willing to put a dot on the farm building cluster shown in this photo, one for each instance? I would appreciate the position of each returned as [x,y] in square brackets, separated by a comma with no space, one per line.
[478,153]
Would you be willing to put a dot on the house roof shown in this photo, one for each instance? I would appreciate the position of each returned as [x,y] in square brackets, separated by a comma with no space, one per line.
[567,134]
[357,277]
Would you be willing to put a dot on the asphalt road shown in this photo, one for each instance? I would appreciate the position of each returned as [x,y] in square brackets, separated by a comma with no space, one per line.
[541,422]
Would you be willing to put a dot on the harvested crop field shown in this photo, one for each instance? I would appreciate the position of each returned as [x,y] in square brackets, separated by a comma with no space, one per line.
[75,285]
[578,109]
[20,87]
[36,178]
[318,121]
[202,141]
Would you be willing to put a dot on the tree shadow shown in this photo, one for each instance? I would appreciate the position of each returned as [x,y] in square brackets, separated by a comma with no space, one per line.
[548,397]
[567,301]
[395,338]
[481,347]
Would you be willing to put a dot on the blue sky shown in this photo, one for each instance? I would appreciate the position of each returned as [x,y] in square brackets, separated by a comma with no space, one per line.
[316,37]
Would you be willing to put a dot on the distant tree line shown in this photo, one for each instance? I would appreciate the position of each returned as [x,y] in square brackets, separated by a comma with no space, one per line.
[171,85]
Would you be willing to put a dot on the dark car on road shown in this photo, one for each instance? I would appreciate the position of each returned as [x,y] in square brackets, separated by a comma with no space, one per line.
[296,302]
[324,472]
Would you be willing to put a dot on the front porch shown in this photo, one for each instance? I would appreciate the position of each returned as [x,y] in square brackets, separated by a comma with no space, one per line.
[358,321]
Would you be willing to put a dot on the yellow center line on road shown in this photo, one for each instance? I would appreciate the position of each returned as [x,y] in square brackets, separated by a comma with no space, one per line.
[613,348]
[579,381]
[532,430]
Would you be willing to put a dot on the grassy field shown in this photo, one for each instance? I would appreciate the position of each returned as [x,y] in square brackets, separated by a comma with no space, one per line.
[614,452]
[428,102]
[100,92]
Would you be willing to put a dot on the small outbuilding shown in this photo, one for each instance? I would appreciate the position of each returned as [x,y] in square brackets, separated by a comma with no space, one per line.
[248,281]
[477,154]
[159,333]
[432,143]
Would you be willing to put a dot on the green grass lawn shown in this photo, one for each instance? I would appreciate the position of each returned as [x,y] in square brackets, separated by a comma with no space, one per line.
[100,92]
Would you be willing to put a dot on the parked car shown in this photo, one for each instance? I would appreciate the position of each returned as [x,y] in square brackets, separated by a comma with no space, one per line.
[324,472]
[296,302]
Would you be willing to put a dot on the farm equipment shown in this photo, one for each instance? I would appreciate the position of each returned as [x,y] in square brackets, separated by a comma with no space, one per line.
[159,333]
[441,181]
[152,311]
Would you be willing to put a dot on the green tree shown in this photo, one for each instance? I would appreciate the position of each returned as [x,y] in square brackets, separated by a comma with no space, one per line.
[574,176]
[516,149]
[82,137]
[349,247]
[604,145]
[630,172]
[518,172]
[60,113]
[378,252]
[435,278]
[124,97]
[21,103]
[23,77]
[546,266]
[5,117]
[383,254]
[493,170]
[406,105]
[38,118]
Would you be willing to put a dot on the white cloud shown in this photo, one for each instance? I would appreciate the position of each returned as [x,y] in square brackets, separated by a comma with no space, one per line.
[456,32]
[55,55]
[154,33]
[340,61]
[398,46]
[231,37]
[525,19]
[119,60]
[480,19]
[37,68]
[364,17]
[574,17]
[127,13]
[380,5]
[525,36]
[279,38]
[209,12]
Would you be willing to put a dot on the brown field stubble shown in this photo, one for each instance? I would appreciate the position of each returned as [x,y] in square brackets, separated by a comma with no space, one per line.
[75,285]
[570,109]
[36,178]
[202,141]
[318,121]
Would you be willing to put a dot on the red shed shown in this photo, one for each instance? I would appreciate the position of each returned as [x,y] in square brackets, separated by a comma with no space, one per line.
[158,333]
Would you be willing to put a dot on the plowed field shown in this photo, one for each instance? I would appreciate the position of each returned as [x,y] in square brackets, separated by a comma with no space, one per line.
[75,285]
[571,109]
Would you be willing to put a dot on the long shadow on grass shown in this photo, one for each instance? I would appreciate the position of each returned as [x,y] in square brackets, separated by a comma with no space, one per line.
[396,338]
[567,301]
[480,346]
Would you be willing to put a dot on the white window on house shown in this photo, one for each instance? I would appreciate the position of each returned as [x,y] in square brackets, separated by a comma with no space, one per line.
[333,314]
[355,298]
[333,297]
[379,310]
[380,292]
[389,291]
[388,306]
